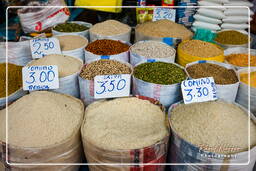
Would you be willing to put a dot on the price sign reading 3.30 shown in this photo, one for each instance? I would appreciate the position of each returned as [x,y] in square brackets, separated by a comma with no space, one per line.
[109,86]
[41,47]
[198,90]
[40,77]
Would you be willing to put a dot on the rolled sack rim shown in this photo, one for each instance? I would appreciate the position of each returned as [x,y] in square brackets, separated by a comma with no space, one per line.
[93,34]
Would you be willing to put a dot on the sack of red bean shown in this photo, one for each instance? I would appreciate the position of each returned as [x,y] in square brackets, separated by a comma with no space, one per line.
[107,49]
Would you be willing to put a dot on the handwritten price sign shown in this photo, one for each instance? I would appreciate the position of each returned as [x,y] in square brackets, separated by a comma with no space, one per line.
[41,47]
[109,86]
[43,77]
[164,13]
[198,90]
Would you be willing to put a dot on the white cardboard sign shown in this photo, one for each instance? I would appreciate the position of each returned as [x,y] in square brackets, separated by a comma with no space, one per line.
[164,13]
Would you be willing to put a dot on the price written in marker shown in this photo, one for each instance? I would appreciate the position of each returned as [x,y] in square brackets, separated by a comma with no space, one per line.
[43,77]
[164,13]
[198,90]
[109,86]
[41,47]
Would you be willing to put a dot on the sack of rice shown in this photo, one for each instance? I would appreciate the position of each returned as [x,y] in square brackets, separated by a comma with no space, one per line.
[110,29]
[43,127]
[218,134]
[131,130]
[99,67]
[196,50]
[148,50]
[159,80]
[162,29]
[242,94]
[224,75]
[69,68]
[107,49]
[73,45]
[14,83]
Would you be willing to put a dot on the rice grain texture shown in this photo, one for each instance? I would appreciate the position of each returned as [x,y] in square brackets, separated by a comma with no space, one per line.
[71,42]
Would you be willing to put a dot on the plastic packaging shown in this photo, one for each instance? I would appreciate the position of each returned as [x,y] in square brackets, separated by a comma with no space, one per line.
[155,153]
[234,26]
[202,18]
[238,12]
[206,25]
[39,19]
[236,19]
[226,92]
[184,152]
[84,33]
[123,57]
[204,35]
[211,12]
[243,95]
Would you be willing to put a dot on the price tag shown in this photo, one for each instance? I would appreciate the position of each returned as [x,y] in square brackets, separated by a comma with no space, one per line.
[40,77]
[109,86]
[198,90]
[41,47]
[164,13]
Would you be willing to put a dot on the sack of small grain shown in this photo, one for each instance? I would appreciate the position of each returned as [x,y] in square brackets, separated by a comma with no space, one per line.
[243,94]
[239,56]
[162,30]
[218,135]
[159,80]
[236,26]
[99,67]
[206,25]
[224,75]
[236,19]
[72,28]
[211,12]
[238,12]
[15,90]
[73,45]
[43,127]
[68,67]
[107,49]
[147,50]
[202,18]
[131,130]
[110,29]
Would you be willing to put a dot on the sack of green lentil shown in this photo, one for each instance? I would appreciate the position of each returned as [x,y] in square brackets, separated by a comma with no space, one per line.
[239,57]
[72,28]
[159,80]
[73,45]
[99,67]
[15,90]
[18,53]
[69,68]
[43,127]
[107,49]
[148,50]
[225,77]
[130,130]
[243,95]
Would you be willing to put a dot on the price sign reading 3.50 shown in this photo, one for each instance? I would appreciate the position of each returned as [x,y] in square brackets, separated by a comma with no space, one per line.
[198,90]
[40,77]
[109,86]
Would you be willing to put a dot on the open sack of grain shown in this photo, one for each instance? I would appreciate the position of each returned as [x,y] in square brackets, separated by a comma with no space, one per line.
[43,127]
[125,130]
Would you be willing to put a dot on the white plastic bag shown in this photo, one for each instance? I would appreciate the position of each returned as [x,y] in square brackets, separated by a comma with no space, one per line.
[38,19]
[239,3]
[236,19]
[238,12]
[234,26]
[218,1]
[210,12]
[202,18]
[210,26]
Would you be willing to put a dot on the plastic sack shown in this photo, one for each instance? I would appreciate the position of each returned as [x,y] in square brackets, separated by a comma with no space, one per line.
[226,92]
[123,57]
[84,33]
[183,152]
[206,25]
[236,19]
[156,153]
[211,12]
[101,3]
[202,18]
[204,35]
[165,94]
[243,96]
[238,50]
[238,12]
[136,58]
[234,26]
[18,53]
[39,19]
[239,3]
[218,1]
[87,88]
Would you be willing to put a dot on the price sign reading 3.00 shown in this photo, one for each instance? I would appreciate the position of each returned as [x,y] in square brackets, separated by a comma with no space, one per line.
[109,86]
[198,90]
[43,77]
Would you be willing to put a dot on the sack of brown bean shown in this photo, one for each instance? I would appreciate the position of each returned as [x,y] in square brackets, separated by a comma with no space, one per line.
[107,49]
[224,75]
[99,67]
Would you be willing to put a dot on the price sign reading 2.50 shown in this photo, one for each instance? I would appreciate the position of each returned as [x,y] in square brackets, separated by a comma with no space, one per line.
[40,77]
[109,86]
[198,90]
